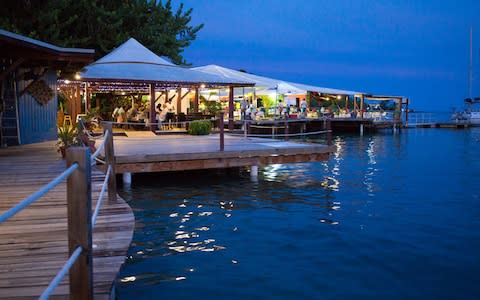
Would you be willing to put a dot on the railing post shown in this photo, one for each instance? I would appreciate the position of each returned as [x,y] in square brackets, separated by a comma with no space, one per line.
[222,129]
[79,209]
[286,129]
[110,161]
[244,127]
[329,131]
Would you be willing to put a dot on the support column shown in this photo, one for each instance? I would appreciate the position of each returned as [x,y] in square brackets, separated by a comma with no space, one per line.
[179,100]
[195,101]
[87,99]
[361,129]
[222,129]
[127,179]
[254,172]
[75,106]
[406,112]
[230,109]
[362,99]
[153,127]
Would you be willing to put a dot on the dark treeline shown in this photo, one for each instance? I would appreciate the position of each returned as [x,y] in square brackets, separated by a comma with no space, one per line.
[103,25]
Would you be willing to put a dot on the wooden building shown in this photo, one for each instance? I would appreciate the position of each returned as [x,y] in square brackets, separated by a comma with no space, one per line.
[29,70]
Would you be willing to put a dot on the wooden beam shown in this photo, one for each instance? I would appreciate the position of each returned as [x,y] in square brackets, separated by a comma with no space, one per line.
[88,105]
[152,107]
[179,100]
[217,163]
[79,200]
[230,109]
[11,68]
[362,100]
[195,102]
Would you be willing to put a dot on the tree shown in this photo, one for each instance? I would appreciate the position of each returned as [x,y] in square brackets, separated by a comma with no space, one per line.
[103,25]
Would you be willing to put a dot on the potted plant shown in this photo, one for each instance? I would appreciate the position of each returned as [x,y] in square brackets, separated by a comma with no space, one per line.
[67,136]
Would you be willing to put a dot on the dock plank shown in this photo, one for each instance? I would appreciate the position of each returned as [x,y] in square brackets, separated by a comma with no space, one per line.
[33,244]
[184,152]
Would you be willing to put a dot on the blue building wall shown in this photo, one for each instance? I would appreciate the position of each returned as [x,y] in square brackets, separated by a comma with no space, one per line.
[37,122]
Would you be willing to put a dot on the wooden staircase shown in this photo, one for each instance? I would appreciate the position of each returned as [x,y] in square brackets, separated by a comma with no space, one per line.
[9,114]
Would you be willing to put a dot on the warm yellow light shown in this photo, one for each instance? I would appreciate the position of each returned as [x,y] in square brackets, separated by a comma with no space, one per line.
[67,81]
[123,93]
[77,76]
[339,97]
[202,86]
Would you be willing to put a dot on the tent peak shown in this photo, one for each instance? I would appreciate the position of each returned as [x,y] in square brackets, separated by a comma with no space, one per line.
[132,51]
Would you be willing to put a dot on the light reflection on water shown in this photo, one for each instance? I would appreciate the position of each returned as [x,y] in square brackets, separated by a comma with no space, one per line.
[379,217]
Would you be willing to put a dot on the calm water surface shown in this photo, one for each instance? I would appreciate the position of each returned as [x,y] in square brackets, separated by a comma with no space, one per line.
[387,217]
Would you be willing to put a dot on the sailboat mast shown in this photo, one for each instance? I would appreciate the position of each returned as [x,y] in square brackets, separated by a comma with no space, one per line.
[470,66]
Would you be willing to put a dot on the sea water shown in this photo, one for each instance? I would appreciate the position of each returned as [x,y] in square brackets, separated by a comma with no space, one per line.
[386,217]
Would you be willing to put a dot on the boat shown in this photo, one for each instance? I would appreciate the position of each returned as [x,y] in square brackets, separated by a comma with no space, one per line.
[471,113]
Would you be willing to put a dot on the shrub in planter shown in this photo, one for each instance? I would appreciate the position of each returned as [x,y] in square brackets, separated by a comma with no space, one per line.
[200,127]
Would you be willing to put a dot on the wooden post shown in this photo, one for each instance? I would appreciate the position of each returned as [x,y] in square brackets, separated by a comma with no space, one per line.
[87,99]
[230,109]
[79,211]
[77,102]
[362,99]
[329,132]
[179,100]
[397,118]
[286,129]
[222,137]
[195,101]
[110,160]
[406,112]
[153,120]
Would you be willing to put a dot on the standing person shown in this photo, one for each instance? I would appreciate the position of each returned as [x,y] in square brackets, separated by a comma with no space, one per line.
[280,107]
[303,108]
[287,111]
[170,112]
[119,114]
[243,108]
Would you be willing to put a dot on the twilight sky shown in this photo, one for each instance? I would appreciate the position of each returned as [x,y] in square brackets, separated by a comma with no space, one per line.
[415,48]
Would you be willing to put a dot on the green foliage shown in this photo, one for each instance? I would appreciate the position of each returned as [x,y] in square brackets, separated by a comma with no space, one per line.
[67,136]
[267,101]
[212,107]
[103,25]
[200,127]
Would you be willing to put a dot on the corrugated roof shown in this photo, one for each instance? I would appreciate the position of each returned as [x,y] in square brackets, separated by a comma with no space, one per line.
[132,61]
[41,44]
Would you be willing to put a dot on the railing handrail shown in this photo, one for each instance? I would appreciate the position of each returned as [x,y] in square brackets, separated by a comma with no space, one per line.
[38,194]
[284,134]
[58,278]
[75,166]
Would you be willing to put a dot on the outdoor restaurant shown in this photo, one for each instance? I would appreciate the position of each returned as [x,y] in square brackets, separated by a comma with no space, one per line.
[119,87]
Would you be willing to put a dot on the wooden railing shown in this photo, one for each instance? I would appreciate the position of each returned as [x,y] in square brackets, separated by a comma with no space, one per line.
[81,220]
[285,125]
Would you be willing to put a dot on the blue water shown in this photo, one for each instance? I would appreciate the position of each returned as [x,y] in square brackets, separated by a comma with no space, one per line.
[387,217]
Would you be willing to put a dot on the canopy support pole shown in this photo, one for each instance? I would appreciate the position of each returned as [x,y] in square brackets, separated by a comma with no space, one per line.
[230,109]
[152,107]
[195,101]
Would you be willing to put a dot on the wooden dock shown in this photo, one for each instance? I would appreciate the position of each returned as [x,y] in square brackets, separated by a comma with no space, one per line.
[33,244]
[185,152]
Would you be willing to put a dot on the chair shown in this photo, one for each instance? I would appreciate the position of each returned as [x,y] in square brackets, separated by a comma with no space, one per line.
[181,119]
[67,119]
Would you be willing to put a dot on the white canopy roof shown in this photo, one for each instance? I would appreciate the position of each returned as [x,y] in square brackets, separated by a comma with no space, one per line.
[133,62]
[265,83]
